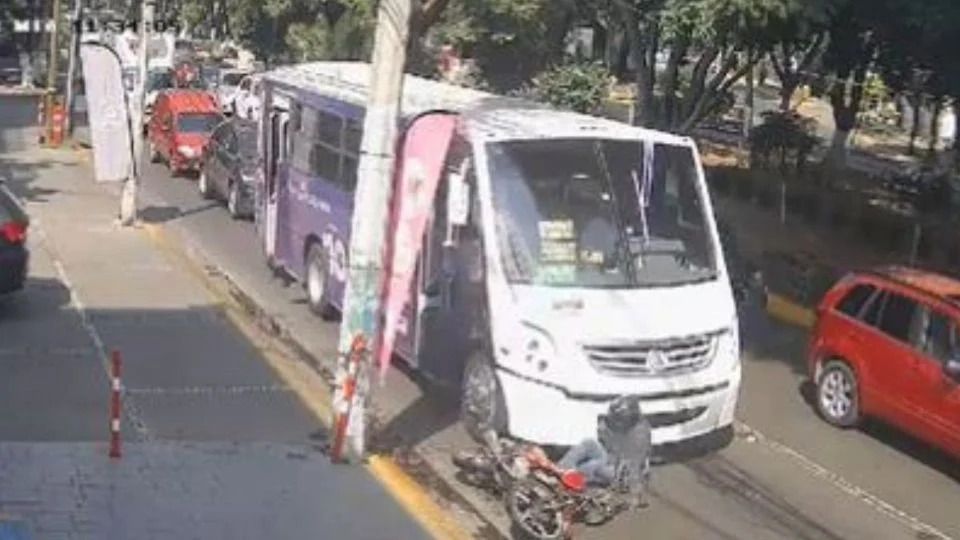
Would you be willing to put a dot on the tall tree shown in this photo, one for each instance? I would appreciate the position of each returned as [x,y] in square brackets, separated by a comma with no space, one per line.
[800,40]
[852,53]
[688,54]
[511,40]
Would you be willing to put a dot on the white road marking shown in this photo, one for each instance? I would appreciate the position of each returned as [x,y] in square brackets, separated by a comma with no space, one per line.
[210,390]
[844,485]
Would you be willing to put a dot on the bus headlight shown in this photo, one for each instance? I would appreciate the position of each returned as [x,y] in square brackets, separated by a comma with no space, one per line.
[728,344]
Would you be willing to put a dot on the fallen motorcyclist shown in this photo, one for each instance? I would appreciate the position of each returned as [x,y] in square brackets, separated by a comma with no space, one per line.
[620,455]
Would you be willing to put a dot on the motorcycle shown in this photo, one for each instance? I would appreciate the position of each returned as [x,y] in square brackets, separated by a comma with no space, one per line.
[543,501]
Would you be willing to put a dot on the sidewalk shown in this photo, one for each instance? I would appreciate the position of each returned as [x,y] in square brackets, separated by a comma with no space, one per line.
[216,445]
[184,491]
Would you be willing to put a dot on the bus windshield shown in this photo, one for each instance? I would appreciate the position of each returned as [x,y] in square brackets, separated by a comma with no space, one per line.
[598,213]
[197,122]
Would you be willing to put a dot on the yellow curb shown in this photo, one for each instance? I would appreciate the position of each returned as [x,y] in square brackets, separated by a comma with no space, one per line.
[790,312]
[316,396]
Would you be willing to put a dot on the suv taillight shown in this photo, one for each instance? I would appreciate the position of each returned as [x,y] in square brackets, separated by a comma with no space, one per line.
[14,232]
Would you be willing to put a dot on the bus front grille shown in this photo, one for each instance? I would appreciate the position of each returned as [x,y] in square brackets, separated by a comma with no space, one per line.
[652,358]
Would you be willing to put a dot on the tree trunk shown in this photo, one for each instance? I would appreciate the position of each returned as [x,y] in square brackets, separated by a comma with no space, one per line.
[839,147]
[845,110]
[599,43]
[914,127]
[621,58]
[787,88]
[935,125]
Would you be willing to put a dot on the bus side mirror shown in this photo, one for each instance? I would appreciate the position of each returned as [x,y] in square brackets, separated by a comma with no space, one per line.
[458,200]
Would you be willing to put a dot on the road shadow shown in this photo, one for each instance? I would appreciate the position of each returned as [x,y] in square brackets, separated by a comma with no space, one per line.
[693,449]
[895,438]
[165,214]
[436,408]
[20,177]
[189,374]
[39,297]
[912,447]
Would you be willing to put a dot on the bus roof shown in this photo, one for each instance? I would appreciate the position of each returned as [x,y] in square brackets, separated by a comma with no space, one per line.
[495,117]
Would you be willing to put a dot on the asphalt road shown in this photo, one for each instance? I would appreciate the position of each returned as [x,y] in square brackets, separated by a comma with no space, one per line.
[793,477]
[208,424]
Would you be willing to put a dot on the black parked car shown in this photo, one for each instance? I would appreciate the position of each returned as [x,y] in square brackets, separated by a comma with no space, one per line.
[229,166]
[13,239]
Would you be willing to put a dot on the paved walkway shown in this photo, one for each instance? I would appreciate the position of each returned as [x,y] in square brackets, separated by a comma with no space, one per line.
[179,490]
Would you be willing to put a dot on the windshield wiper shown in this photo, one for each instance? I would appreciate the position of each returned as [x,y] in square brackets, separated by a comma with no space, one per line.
[623,239]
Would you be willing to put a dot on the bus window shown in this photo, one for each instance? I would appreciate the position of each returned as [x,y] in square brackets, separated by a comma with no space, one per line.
[349,180]
[324,162]
[328,129]
[352,133]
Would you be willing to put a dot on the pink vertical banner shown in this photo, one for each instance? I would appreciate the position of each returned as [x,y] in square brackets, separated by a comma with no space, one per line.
[419,170]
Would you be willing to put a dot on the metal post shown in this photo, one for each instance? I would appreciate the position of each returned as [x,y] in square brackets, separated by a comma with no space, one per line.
[128,198]
[374,182]
[52,68]
[72,64]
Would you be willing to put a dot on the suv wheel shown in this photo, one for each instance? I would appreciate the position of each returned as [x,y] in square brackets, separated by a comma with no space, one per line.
[233,200]
[203,184]
[838,400]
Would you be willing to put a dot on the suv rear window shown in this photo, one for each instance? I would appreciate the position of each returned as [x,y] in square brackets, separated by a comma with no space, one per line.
[852,304]
[898,317]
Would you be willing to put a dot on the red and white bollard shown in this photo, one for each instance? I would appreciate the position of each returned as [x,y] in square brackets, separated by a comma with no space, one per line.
[344,407]
[115,405]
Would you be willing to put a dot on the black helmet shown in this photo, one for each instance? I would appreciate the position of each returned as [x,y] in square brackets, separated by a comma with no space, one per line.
[623,413]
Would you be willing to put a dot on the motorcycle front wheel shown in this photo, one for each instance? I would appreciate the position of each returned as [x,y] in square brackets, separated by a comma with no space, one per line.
[535,510]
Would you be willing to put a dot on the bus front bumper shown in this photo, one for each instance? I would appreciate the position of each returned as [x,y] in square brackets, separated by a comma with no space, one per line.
[547,414]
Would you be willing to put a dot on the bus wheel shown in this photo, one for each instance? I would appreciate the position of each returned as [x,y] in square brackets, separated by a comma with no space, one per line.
[316,283]
[482,405]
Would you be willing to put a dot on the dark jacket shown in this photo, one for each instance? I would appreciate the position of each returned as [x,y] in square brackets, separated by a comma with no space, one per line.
[629,454]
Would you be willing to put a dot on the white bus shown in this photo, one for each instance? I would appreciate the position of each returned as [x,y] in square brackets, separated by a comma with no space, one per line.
[586,265]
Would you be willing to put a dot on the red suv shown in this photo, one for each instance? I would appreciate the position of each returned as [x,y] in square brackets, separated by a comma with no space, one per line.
[886,345]
[180,127]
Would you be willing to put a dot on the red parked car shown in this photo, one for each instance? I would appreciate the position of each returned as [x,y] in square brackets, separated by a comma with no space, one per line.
[887,345]
[180,128]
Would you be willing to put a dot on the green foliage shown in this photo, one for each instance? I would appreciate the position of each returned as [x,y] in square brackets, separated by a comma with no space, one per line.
[784,139]
[578,86]
[511,40]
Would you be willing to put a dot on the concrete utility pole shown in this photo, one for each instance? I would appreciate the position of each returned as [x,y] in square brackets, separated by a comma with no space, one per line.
[128,198]
[72,63]
[362,310]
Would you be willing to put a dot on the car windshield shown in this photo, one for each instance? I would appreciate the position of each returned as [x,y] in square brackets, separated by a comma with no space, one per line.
[197,122]
[232,79]
[599,213]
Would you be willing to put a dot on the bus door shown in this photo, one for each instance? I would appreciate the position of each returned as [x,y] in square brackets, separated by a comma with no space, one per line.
[276,150]
[450,281]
